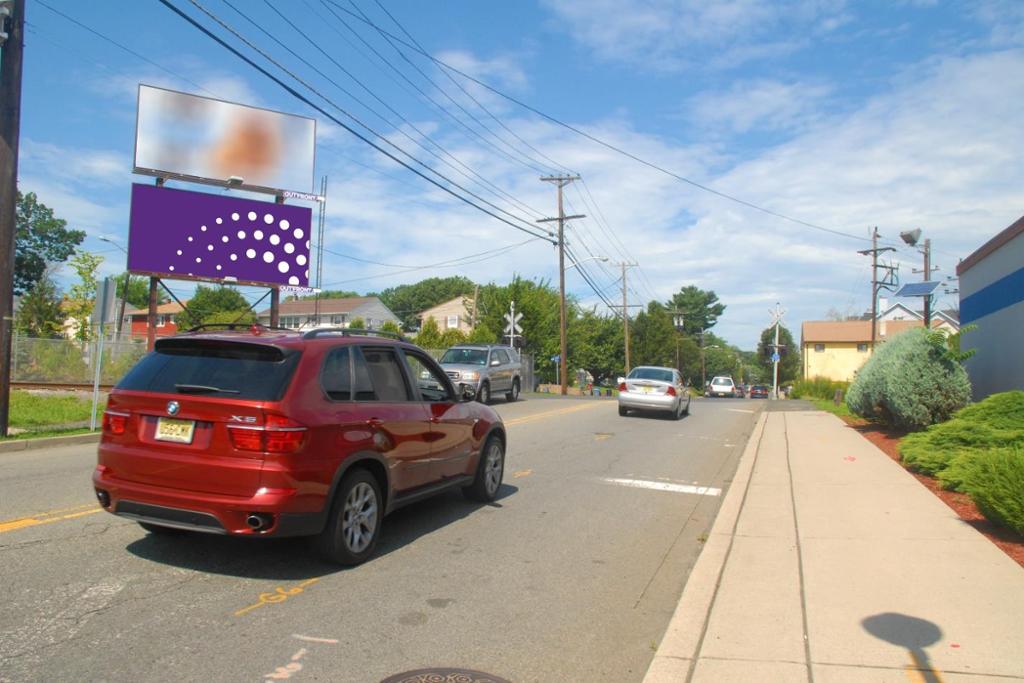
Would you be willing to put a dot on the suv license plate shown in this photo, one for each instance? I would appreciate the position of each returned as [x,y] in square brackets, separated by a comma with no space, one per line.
[178,431]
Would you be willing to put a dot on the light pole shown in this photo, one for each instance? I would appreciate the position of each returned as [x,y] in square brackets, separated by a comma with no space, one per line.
[911,237]
[124,292]
[703,366]
[584,260]
[677,322]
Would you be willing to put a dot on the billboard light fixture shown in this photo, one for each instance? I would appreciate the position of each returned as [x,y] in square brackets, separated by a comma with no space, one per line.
[235,180]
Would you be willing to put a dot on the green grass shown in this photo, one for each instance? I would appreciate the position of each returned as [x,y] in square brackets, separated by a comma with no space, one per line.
[997,422]
[33,410]
[840,410]
[46,433]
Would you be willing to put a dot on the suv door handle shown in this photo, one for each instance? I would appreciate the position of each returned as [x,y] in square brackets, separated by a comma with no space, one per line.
[435,420]
[374,422]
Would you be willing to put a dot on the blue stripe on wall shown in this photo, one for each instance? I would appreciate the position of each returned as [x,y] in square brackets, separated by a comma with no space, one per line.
[1004,292]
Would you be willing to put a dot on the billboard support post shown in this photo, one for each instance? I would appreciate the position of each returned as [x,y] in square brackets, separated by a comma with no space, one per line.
[151,318]
[275,306]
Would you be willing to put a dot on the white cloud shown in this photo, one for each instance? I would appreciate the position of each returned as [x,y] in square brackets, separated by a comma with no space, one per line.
[670,34]
[762,104]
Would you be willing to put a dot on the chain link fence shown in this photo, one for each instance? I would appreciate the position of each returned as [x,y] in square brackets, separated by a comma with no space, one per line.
[68,361]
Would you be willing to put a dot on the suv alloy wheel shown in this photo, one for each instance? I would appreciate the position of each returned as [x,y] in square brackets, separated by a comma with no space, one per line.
[354,523]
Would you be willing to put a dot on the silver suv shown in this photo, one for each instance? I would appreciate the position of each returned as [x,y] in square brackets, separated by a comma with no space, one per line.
[488,368]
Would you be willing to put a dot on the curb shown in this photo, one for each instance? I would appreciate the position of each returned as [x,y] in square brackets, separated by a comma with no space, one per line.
[18,445]
[680,645]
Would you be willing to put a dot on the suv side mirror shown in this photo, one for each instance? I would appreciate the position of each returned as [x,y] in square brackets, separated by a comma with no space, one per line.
[495,361]
[467,393]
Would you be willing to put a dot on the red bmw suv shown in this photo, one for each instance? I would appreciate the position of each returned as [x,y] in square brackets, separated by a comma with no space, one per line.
[263,432]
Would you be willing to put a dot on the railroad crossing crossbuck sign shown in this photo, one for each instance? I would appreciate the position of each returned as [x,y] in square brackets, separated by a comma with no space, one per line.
[512,328]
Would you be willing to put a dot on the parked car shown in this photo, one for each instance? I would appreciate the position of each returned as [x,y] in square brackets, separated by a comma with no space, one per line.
[260,432]
[740,391]
[489,368]
[759,391]
[722,387]
[656,389]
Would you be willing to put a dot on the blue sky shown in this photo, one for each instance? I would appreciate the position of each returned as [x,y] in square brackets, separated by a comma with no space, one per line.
[840,114]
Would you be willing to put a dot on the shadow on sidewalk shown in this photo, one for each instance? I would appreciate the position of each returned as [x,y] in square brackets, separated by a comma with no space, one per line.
[910,633]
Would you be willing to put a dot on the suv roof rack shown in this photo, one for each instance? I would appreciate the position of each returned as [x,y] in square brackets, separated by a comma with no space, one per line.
[237,326]
[350,332]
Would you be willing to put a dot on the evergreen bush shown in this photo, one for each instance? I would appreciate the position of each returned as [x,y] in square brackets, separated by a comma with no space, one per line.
[909,383]
[995,481]
[818,387]
[996,422]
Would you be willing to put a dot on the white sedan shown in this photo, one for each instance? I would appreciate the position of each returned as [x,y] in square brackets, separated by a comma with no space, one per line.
[654,389]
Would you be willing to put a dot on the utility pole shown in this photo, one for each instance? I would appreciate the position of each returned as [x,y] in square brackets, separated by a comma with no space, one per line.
[12,33]
[625,308]
[776,314]
[703,367]
[876,284]
[560,182]
[927,271]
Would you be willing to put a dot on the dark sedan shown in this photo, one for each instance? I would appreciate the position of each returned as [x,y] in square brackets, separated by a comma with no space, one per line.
[759,391]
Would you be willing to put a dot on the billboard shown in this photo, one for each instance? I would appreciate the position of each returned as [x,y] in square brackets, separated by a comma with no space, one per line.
[204,140]
[177,233]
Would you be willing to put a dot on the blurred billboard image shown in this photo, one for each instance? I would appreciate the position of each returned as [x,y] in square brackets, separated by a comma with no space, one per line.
[177,233]
[216,142]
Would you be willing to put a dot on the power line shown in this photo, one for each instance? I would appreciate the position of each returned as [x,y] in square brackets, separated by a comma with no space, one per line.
[468,94]
[299,96]
[122,47]
[603,143]
[494,188]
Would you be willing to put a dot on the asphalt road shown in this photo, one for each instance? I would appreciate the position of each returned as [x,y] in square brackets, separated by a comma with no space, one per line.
[571,575]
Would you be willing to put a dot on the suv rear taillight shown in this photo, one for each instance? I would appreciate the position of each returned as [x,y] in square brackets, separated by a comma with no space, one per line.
[623,387]
[114,423]
[279,434]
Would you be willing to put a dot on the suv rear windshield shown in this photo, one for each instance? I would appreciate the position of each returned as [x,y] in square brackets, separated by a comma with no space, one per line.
[465,356]
[722,380]
[255,372]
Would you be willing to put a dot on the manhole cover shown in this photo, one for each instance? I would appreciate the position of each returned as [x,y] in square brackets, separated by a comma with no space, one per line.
[444,675]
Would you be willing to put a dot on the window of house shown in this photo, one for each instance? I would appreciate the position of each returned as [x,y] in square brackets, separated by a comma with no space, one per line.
[161,320]
[862,347]
[339,319]
[453,321]
[819,348]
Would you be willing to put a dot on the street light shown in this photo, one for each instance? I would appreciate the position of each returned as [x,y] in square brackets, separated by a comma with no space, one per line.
[124,292]
[584,260]
[911,237]
[677,322]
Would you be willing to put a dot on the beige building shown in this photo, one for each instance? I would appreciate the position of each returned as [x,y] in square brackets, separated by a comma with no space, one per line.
[454,314]
[837,349]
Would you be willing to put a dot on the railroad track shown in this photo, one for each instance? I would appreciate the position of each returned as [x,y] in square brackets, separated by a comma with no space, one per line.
[57,386]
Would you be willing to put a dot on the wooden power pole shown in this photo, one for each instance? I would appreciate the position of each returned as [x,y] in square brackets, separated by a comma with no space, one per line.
[560,182]
[876,284]
[12,33]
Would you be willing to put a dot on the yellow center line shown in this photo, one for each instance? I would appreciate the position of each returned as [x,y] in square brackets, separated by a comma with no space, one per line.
[552,413]
[47,518]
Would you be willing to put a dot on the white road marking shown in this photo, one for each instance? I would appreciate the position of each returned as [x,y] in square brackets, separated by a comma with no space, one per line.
[663,486]
[739,410]
[311,639]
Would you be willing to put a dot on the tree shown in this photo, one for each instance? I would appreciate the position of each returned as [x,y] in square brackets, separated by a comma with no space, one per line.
[452,336]
[482,334]
[82,296]
[653,337]
[700,308]
[429,336]
[40,239]
[538,302]
[408,301]
[595,344]
[208,303]
[357,323]
[138,292]
[390,326]
[789,363]
[330,294]
[39,312]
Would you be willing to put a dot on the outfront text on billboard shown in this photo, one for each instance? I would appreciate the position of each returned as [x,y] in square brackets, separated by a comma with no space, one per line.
[218,237]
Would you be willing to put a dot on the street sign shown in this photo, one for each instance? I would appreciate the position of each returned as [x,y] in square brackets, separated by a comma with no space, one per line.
[513,323]
[556,358]
[103,309]
[775,357]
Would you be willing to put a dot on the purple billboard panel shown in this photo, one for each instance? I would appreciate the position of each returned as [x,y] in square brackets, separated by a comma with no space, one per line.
[217,237]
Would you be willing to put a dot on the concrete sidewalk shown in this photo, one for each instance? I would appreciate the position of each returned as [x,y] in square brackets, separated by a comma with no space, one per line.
[829,562]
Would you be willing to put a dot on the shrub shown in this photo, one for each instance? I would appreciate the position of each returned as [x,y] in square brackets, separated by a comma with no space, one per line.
[995,481]
[909,383]
[996,422]
[818,387]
